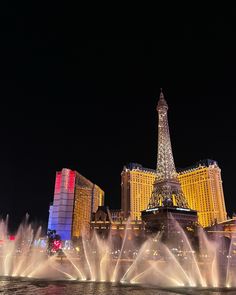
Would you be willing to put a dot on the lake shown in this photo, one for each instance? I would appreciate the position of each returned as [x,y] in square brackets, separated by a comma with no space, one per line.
[43,287]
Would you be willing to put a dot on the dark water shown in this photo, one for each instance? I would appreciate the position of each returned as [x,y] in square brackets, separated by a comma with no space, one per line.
[36,287]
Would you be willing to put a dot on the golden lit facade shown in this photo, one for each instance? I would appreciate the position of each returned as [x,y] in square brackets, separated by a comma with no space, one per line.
[75,199]
[82,211]
[136,189]
[201,185]
[98,197]
[88,197]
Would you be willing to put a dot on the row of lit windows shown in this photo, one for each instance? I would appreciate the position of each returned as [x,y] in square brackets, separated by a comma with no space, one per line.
[197,185]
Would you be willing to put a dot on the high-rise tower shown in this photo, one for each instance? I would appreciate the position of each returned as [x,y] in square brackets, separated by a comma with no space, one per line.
[75,199]
[167,203]
[166,190]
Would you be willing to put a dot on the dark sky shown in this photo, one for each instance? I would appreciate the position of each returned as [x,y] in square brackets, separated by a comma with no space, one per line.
[90,106]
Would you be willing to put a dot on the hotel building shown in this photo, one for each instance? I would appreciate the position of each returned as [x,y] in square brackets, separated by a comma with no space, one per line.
[136,189]
[201,185]
[75,199]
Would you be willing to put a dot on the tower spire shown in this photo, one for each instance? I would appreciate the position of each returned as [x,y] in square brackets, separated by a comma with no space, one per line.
[161,93]
[162,102]
[167,190]
[165,160]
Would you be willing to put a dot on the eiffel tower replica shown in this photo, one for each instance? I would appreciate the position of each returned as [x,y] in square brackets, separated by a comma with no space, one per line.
[167,206]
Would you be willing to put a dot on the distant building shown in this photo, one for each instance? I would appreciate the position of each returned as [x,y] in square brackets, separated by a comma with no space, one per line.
[136,189]
[116,214]
[107,222]
[75,198]
[201,184]
[226,228]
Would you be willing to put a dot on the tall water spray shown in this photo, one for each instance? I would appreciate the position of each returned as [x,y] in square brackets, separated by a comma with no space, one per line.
[97,259]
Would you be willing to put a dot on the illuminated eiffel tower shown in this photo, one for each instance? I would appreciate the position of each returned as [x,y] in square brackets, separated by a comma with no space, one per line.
[167,190]
[167,203]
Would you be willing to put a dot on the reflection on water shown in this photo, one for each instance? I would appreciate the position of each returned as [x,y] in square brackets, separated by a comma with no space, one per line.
[37,287]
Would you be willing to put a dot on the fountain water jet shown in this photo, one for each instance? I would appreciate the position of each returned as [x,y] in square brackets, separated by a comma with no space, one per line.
[151,262]
[114,276]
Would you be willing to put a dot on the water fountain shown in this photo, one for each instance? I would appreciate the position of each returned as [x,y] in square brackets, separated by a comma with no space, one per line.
[96,259]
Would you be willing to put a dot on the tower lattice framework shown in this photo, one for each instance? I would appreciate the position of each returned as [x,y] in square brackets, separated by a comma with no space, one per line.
[166,189]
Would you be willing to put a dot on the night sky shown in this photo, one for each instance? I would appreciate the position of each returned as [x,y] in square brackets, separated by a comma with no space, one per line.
[91,106]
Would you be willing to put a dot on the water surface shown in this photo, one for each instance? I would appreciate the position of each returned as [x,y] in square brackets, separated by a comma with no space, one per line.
[41,287]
